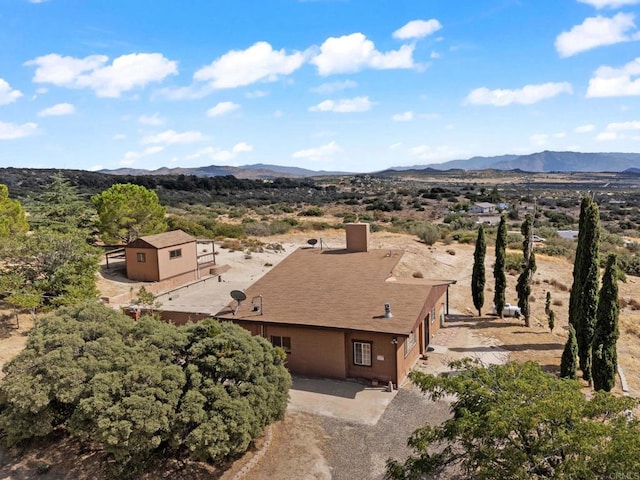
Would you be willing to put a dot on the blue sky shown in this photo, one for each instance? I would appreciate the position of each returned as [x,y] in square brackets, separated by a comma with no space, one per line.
[351,85]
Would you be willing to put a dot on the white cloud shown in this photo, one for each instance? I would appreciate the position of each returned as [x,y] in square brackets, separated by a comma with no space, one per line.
[584,128]
[131,156]
[434,55]
[607,136]
[348,105]
[395,146]
[154,120]
[58,110]
[95,168]
[402,117]
[527,95]
[257,94]
[221,155]
[618,130]
[596,32]
[435,154]
[541,139]
[278,114]
[417,29]
[135,70]
[244,67]
[8,94]
[119,136]
[170,137]
[615,82]
[222,108]
[351,53]
[609,3]
[319,153]
[10,131]
[623,126]
[333,87]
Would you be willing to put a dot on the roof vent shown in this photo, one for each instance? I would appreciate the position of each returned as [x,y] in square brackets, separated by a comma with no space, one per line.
[387,311]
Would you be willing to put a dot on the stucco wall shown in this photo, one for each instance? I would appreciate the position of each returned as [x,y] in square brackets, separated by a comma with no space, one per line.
[383,357]
[146,271]
[170,267]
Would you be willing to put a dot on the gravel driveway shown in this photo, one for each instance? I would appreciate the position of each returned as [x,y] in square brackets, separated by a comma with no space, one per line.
[357,451]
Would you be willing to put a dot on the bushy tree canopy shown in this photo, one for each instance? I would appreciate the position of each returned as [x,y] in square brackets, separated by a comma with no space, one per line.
[515,421]
[127,211]
[59,267]
[141,388]
[13,219]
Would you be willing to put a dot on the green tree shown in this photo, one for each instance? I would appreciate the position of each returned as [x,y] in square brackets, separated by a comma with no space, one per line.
[478,275]
[523,287]
[605,355]
[128,211]
[58,267]
[13,219]
[499,268]
[569,360]
[144,389]
[583,301]
[515,421]
[60,207]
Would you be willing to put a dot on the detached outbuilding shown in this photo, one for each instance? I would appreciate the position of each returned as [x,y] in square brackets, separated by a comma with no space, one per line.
[168,255]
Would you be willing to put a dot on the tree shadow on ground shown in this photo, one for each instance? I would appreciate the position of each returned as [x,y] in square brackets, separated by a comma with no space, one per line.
[8,325]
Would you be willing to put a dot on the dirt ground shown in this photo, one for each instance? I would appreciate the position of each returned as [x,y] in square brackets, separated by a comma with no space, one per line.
[301,443]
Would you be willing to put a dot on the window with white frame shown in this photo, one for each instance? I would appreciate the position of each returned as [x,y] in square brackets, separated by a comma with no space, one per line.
[175,253]
[433,315]
[362,353]
[283,342]
[409,343]
[142,257]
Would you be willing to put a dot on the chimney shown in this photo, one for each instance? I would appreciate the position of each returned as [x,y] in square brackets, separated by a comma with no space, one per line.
[357,237]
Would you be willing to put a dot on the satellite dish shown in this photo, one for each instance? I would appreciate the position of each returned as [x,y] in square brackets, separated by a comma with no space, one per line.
[312,241]
[238,295]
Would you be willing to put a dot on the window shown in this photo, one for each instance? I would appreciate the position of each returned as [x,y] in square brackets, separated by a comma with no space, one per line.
[433,315]
[362,353]
[142,257]
[409,343]
[283,342]
[175,253]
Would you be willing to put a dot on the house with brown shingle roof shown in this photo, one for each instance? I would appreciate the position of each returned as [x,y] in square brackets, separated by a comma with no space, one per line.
[343,313]
[168,255]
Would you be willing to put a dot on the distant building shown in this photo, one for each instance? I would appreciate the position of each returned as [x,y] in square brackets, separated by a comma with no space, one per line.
[568,234]
[168,255]
[482,208]
[342,313]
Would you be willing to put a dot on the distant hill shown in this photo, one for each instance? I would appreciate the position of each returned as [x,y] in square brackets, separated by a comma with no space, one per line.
[546,161]
[256,171]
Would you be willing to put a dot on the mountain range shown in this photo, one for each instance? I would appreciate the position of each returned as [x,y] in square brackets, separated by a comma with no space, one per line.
[546,161]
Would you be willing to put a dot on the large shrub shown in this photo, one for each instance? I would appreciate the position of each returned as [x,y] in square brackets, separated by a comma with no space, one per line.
[143,388]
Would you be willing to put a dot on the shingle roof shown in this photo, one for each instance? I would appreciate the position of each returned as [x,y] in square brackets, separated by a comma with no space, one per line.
[337,289]
[163,240]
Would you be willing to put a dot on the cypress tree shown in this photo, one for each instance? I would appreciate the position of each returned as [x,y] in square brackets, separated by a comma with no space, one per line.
[523,287]
[569,361]
[583,302]
[551,315]
[605,355]
[498,269]
[478,276]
